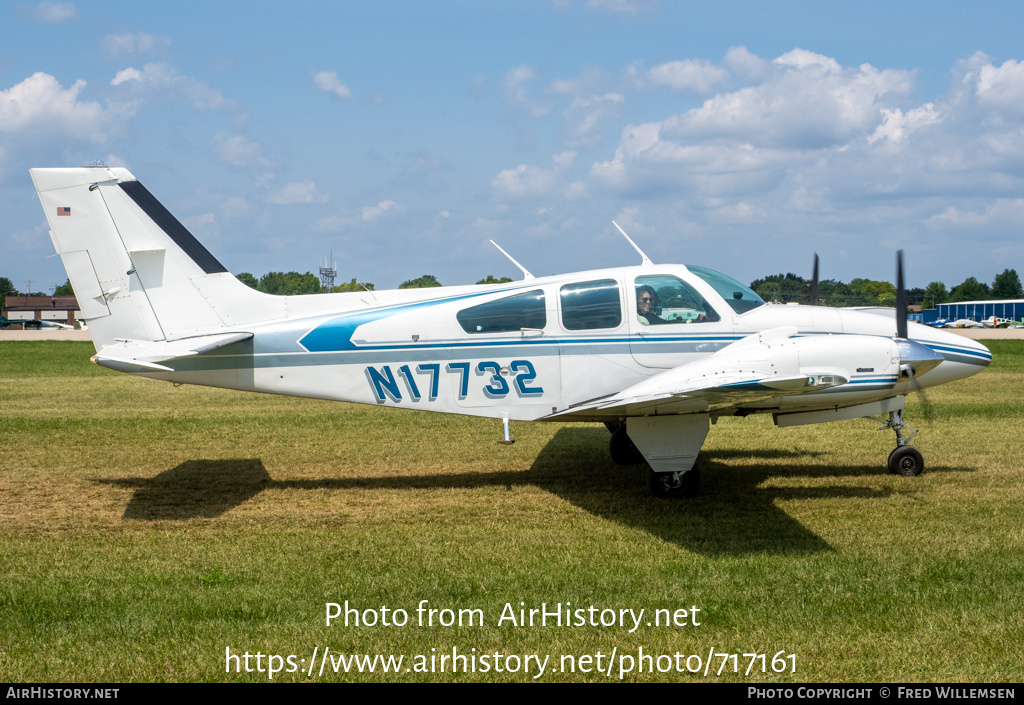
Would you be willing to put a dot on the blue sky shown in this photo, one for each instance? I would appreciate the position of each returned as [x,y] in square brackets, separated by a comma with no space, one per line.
[402,136]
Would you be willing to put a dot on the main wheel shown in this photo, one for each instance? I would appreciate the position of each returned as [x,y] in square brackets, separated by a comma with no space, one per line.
[674,485]
[622,449]
[906,461]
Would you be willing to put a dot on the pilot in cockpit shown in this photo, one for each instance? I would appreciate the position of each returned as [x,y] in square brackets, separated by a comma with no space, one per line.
[646,304]
[648,308]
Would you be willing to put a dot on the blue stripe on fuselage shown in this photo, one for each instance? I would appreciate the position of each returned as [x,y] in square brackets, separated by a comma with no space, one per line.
[336,334]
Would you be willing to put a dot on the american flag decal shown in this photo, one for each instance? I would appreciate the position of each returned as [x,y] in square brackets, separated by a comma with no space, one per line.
[64,210]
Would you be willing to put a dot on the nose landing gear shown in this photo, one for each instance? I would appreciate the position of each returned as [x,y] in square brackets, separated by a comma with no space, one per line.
[905,459]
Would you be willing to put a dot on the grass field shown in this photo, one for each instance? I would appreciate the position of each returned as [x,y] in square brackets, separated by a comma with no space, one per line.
[145,529]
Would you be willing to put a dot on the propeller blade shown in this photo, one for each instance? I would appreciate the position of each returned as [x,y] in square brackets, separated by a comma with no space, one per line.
[917,359]
[813,299]
[926,405]
[901,298]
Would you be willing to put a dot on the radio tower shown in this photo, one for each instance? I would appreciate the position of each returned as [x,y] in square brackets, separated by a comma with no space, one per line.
[328,272]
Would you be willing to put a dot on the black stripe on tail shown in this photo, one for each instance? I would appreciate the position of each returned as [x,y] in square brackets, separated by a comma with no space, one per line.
[172,226]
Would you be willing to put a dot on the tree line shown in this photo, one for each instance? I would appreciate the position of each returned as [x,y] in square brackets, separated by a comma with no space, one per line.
[292,283]
[790,288]
[782,288]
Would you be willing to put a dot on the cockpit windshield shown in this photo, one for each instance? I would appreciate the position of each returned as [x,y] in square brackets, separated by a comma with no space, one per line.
[741,298]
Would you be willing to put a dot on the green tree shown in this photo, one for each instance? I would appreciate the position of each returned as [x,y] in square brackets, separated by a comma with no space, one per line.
[1007,285]
[915,296]
[427,280]
[64,289]
[935,294]
[352,286]
[770,291]
[491,280]
[6,289]
[868,292]
[832,292]
[791,286]
[248,279]
[970,289]
[289,283]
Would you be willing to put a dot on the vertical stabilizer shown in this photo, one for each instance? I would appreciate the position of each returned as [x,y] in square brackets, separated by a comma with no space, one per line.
[137,272]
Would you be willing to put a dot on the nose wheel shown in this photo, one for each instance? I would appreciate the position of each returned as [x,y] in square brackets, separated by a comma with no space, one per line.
[905,459]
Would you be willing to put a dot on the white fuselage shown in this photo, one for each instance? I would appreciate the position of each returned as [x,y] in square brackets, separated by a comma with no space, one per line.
[409,349]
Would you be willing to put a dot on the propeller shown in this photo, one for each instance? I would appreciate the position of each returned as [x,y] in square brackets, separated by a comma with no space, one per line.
[915,358]
[813,298]
[901,298]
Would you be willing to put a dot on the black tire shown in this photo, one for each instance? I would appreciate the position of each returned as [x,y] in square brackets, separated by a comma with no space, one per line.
[906,461]
[622,449]
[674,485]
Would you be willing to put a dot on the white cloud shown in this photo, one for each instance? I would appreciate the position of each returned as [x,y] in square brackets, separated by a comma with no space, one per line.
[158,80]
[530,181]
[39,104]
[750,140]
[371,213]
[747,65]
[129,43]
[367,215]
[688,76]
[50,12]
[328,82]
[590,81]
[897,125]
[1003,213]
[516,94]
[297,192]
[1003,86]
[240,151]
[585,118]
[808,101]
[630,7]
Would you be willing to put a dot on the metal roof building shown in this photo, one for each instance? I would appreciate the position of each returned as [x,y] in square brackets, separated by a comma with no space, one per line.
[980,310]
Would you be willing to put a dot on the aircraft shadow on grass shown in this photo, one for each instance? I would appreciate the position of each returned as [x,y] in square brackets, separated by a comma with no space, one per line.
[734,514]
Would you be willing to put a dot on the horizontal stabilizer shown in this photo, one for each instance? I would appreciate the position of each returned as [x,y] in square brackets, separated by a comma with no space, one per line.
[144,356]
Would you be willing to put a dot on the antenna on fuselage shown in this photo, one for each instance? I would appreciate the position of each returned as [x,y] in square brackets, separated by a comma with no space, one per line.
[646,260]
[526,274]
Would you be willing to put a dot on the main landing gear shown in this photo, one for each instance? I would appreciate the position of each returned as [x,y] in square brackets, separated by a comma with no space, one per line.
[621,447]
[674,485]
[667,485]
[905,459]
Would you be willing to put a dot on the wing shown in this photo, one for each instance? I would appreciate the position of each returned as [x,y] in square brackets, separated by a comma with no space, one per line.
[752,373]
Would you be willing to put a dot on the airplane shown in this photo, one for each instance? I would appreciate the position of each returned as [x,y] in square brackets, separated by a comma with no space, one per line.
[996,322]
[33,323]
[963,323]
[583,346]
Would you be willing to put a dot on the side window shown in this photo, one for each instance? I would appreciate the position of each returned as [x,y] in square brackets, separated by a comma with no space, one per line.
[512,313]
[587,305]
[662,299]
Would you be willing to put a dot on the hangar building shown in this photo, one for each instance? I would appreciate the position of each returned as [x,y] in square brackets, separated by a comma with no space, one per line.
[59,309]
[980,310]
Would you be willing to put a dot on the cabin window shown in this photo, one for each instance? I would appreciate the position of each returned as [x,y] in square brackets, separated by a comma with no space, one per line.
[588,305]
[662,299]
[513,313]
[741,298]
